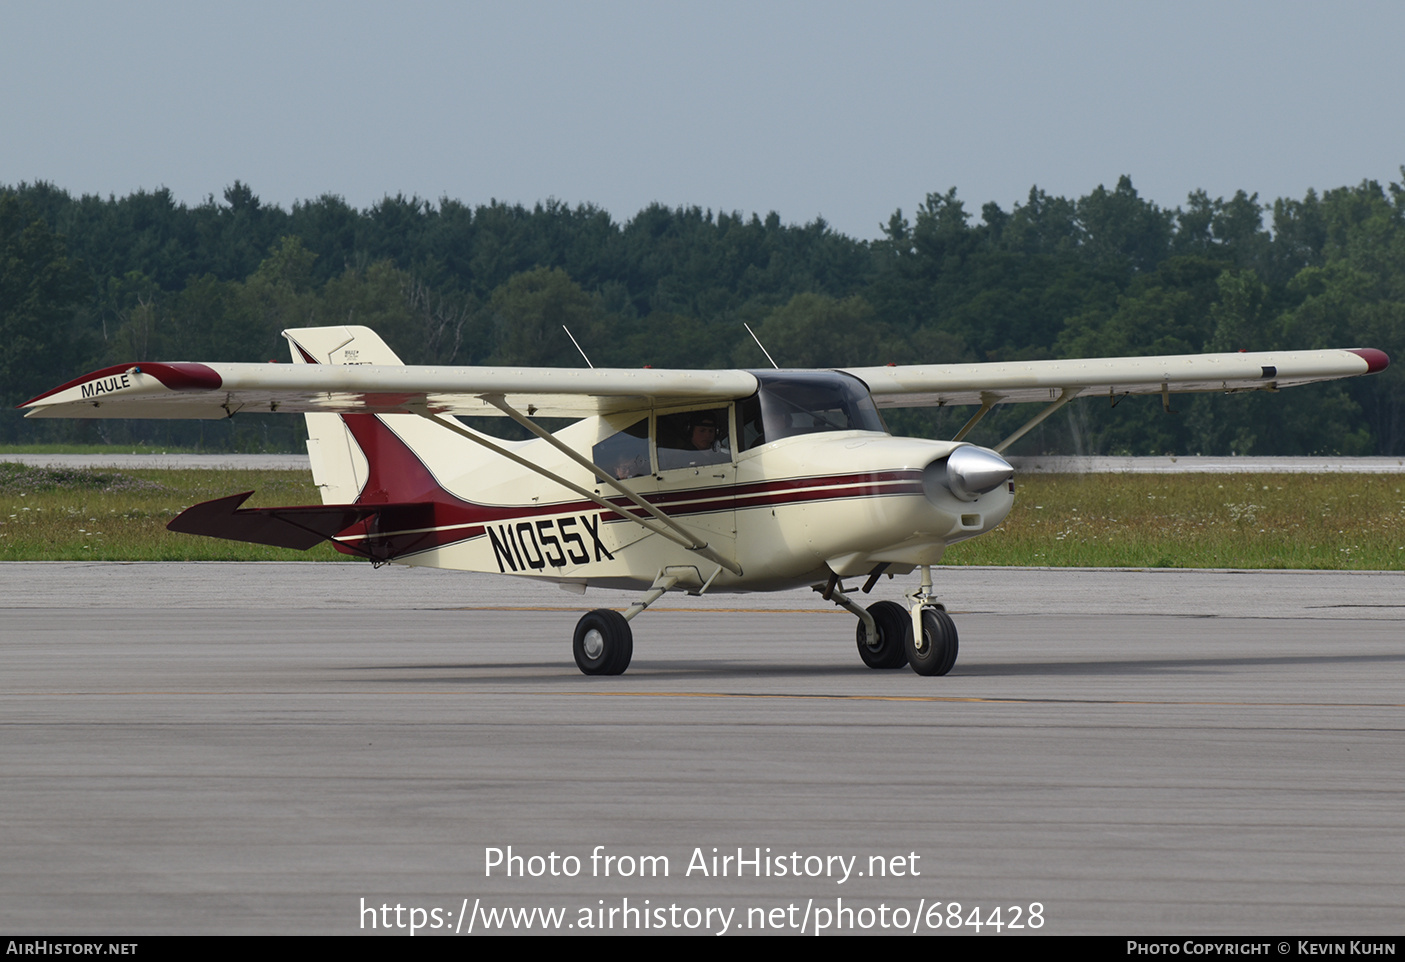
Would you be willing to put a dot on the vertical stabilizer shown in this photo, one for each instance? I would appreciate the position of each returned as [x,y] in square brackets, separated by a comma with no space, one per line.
[339,468]
[339,345]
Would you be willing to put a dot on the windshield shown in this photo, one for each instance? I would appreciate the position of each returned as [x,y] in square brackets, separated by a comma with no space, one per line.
[789,404]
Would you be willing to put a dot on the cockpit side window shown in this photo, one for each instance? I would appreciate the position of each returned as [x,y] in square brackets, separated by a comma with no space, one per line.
[693,438]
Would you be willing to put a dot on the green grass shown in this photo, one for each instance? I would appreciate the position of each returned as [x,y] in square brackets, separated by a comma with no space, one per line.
[1337,521]
[72,515]
[1331,521]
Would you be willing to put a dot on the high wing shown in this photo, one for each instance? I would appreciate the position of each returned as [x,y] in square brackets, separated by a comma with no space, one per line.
[1058,382]
[930,385]
[199,390]
[346,386]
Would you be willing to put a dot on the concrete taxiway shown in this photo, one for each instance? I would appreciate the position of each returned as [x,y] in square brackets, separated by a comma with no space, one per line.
[273,748]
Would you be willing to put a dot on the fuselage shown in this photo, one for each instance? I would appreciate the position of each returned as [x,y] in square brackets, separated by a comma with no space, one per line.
[785,512]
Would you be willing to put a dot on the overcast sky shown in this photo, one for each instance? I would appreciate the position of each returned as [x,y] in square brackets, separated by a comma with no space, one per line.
[840,110]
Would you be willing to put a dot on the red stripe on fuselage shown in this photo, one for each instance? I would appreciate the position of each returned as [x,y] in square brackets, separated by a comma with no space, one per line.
[396,474]
[771,493]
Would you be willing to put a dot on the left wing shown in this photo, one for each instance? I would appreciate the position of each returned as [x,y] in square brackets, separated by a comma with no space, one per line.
[197,390]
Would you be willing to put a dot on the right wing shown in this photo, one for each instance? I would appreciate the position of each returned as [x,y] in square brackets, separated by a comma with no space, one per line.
[932,385]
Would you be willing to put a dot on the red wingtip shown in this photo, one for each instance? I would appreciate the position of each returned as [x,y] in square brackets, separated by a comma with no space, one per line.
[180,376]
[1375,360]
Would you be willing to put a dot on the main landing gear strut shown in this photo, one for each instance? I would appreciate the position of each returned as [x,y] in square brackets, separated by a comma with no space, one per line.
[924,636]
[604,644]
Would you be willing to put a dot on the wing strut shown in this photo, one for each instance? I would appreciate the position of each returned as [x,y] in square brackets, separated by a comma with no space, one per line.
[669,529]
[1069,393]
[681,535]
[987,402]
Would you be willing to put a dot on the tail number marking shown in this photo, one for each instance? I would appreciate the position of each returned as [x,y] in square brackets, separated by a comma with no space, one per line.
[535,545]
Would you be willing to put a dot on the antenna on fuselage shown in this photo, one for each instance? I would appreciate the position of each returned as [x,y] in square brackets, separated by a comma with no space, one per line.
[760,345]
[578,346]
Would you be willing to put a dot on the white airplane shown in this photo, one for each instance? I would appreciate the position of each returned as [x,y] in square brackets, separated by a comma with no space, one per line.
[696,481]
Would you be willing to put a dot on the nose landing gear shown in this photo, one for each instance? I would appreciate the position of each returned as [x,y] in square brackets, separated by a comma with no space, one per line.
[931,634]
[924,636]
[936,652]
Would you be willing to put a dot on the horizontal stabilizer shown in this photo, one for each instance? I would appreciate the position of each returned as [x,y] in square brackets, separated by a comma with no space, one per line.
[293,527]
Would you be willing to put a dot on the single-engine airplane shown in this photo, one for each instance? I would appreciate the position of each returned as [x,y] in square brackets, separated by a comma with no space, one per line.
[696,481]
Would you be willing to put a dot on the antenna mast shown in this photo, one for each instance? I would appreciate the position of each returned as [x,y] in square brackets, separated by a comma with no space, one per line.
[578,346]
[758,344]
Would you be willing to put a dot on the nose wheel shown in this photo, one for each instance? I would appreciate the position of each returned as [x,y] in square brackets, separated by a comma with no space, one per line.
[935,653]
[890,636]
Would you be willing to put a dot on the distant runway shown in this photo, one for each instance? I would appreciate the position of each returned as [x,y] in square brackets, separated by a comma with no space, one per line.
[251,748]
[1033,464]
[1036,464]
[165,462]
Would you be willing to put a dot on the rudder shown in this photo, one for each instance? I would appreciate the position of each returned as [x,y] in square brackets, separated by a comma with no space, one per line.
[339,468]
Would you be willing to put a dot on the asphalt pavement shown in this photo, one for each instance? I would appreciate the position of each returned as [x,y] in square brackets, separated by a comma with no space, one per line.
[301,748]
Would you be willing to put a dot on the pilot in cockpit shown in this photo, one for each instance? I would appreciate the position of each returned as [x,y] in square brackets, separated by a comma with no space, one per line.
[703,433]
[692,439]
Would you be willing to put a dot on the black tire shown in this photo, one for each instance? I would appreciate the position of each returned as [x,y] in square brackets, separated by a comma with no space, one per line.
[894,625]
[603,643]
[938,652]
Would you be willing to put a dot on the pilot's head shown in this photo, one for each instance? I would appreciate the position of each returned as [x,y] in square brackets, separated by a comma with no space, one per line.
[703,432]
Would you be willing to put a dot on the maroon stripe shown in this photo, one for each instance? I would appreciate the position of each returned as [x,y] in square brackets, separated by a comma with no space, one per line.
[396,474]
[766,487]
[778,497]
[425,540]
[460,512]
[841,494]
[755,487]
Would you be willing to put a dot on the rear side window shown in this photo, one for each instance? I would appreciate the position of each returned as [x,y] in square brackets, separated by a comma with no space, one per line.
[625,454]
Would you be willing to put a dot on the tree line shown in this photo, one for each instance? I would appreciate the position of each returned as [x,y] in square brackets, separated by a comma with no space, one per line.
[89,281]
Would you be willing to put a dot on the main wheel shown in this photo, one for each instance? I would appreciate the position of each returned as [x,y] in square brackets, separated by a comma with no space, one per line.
[603,644]
[938,651]
[893,625]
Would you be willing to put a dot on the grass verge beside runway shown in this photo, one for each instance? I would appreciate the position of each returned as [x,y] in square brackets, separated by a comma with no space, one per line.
[1329,521]
[64,514]
[1340,522]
